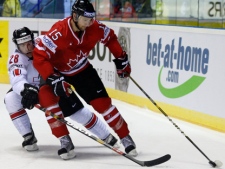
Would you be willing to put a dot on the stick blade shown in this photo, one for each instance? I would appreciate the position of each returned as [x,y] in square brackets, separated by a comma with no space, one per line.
[157,161]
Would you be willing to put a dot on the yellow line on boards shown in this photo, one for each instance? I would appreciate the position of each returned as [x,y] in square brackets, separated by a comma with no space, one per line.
[194,117]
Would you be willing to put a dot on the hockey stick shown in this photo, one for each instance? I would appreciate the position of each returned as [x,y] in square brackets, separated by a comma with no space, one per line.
[216,163]
[149,163]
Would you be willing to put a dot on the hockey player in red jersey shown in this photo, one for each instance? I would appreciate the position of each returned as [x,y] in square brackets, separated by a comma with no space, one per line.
[65,48]
[24,94]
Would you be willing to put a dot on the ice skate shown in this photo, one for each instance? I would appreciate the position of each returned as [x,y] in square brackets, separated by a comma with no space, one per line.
[67,148]
[29,142]
[112,141]
[130,147]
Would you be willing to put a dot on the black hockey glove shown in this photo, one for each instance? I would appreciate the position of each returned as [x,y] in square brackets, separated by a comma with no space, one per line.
[29,96]
[123,66]
[60,87]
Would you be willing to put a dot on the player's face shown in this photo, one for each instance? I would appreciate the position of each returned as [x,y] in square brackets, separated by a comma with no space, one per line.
[84,22]
[26,48]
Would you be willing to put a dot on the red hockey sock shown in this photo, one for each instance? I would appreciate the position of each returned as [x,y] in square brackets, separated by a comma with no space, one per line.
[116,122]
[111,115]
[58,128]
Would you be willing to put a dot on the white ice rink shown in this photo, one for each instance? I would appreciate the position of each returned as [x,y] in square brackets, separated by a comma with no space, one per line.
[153,133]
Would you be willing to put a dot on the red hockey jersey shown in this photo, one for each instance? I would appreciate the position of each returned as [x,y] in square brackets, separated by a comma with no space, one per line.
[67,52]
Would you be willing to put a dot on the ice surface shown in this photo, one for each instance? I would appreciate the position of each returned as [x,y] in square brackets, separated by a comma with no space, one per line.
[153,133]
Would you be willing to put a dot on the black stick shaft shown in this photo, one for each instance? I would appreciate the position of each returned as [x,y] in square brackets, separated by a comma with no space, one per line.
[163,112]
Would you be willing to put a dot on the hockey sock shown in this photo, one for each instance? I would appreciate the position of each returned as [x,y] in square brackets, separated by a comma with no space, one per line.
[113,117]
[21,121]
[90,121]
[58,128]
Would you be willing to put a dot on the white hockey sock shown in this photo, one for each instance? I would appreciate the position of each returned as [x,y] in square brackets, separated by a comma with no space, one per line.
[21,121]
[89,120]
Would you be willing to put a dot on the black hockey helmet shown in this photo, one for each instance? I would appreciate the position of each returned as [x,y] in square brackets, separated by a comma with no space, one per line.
[22,35]
[83,8]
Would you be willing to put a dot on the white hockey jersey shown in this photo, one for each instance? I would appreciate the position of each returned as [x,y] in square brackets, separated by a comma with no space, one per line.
[21,70]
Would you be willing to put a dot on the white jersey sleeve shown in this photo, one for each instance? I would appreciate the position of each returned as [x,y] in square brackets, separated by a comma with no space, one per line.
[21,71]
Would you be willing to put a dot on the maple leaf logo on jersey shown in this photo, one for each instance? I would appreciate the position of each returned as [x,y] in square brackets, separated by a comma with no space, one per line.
[74,63]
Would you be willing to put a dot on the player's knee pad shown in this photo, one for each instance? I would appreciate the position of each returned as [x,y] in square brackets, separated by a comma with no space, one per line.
[47,97]
[101,104]
[13,102]
[82,116]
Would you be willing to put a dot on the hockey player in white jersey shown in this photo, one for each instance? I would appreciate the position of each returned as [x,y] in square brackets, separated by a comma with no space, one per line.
[25,81]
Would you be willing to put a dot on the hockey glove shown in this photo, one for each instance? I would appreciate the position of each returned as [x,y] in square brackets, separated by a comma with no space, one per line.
[60,87]
[123,66]
[29,96]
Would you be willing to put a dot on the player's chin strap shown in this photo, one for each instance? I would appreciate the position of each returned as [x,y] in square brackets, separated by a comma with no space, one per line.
[217,163]
[141,163]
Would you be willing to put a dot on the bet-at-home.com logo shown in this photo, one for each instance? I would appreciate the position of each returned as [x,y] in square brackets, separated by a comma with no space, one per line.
[182,68]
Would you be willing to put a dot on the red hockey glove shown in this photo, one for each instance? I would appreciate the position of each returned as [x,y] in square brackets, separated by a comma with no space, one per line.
[60,87]
[29,96]
[123,66]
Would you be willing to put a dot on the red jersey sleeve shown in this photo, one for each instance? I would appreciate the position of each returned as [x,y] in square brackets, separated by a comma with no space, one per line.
[41,62]
[110,40]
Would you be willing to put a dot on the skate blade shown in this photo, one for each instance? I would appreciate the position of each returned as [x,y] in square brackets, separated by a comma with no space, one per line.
[133,153]
[33,147]
[116,145]
[66,156]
